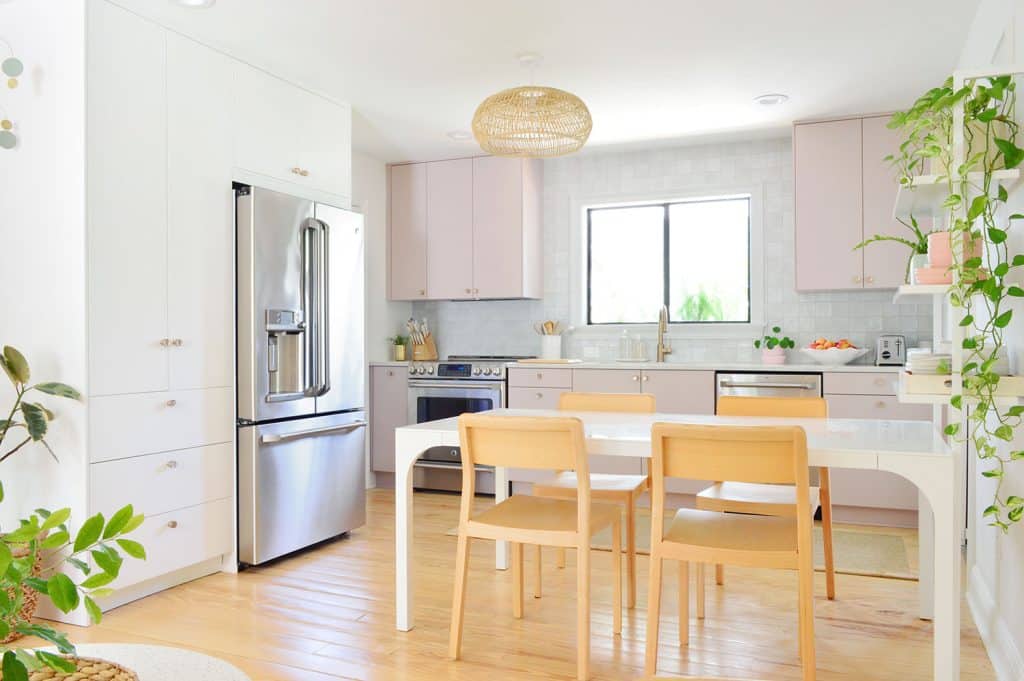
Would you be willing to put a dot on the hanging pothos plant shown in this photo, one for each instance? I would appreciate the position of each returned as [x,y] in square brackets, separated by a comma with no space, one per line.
[984,267]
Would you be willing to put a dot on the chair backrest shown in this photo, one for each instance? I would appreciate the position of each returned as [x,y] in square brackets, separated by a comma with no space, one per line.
[793,407]
[539,442]
[637,403]
[762,454]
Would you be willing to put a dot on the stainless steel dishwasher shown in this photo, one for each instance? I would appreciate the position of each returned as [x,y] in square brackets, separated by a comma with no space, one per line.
[774,384]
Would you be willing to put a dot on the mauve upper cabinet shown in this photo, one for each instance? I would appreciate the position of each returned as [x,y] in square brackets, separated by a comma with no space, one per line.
[844,193]
[466,229]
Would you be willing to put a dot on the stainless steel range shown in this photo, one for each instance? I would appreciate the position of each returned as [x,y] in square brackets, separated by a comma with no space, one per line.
[439,390]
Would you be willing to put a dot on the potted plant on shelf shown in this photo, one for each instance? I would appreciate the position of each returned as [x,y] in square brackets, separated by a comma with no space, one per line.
[917,242]
[398,343]
[37,556]
[773,349]
[967,134]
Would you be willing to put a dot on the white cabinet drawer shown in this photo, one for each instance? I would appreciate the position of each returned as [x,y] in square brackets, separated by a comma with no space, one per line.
[131,425]
[884,407]
[874,383]
[540,378]
[534,398]
[157,483]
[178,539]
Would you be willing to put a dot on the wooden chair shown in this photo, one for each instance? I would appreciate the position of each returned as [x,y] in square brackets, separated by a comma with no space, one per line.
[619,489]
[776,500]
[769,454]
[540,443]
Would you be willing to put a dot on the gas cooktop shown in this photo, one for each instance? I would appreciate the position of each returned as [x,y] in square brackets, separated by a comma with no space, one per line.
[465,367]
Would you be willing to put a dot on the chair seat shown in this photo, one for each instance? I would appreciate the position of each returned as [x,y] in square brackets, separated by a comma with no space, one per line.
[523,512]
[599,482]
[731,531]
[756,499]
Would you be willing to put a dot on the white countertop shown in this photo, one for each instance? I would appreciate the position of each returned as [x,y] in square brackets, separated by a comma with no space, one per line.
[694,366]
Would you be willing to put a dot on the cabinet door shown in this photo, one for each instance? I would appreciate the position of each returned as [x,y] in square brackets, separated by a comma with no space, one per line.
[324,144]
[498,227]
[200,216]
[266,124]
[885,263]
[389,396]
[127,202]
[681,392]
[606,380]
[450,229]
[828,212]
[407,240]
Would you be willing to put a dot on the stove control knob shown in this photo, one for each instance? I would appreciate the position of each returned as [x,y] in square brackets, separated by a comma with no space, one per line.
[487,371]
[476,371]
[412,369]
[420,370]
[430,370]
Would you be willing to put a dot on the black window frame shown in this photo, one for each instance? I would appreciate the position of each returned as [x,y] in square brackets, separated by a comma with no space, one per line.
[666,256]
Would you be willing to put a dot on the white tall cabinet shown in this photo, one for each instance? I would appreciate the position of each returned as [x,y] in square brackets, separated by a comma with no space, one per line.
[170,125]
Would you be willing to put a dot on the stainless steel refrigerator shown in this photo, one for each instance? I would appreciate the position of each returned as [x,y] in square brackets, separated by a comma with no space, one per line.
[301,404]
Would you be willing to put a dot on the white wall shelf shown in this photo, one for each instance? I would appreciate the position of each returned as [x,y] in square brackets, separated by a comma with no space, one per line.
[911,293]
[925,195]
[1011,389]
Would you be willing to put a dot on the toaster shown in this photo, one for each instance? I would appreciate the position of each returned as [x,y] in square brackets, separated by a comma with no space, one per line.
[891,350]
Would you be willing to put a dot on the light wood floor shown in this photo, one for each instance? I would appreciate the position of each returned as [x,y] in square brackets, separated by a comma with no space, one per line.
[329,614]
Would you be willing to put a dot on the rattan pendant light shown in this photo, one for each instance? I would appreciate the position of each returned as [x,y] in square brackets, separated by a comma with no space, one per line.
[532,121]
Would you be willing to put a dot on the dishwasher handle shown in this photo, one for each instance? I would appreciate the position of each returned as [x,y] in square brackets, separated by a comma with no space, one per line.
[783,386]
[270,439]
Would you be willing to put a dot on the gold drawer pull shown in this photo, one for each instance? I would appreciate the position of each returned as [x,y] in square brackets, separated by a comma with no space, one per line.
[171,403]
[172,524]
[172,464]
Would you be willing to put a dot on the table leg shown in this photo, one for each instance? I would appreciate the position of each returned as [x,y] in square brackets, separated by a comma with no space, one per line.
[403,538]
[500,495]
[926,557]
[947,592]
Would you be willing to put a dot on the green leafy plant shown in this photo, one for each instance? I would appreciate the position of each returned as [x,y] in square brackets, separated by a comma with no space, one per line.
[984,268]
[917,242]
[95,552]
[770,342]
[398,339]
[701,307]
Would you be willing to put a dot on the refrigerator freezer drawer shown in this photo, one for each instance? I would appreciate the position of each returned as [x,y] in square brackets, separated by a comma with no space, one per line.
[299,482]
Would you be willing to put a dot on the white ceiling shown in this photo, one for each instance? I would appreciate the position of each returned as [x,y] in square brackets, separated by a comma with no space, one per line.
[651,71]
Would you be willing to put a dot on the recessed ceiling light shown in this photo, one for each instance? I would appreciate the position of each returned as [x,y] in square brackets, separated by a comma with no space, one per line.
[771,99]
[460,135]
[195,4]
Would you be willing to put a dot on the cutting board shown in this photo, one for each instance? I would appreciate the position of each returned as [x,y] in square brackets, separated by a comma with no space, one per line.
[538,360]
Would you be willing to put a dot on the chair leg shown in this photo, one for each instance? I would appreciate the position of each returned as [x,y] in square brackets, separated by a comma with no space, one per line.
[537,571]
[560,558]
[583,610]
[806,604]
[700,591]
[617,558]
[459,598]
[517,580]
[719,574]
[653,613]
[631,553]
[826,532]
[684,602]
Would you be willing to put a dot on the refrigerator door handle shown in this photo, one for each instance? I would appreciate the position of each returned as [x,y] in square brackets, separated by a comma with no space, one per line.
[274,438]
[324,341]
[311,303]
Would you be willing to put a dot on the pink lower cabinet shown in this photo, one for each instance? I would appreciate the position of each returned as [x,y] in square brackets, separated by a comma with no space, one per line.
[870,396]
[681,392]
[389,398]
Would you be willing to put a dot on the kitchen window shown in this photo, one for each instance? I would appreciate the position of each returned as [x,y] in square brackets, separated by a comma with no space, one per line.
[693,255]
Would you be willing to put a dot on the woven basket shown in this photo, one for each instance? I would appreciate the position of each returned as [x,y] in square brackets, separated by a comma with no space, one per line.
[88,670]
[30,597]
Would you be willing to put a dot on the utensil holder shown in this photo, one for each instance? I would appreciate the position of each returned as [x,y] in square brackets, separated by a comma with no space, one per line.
[551,347]
[425,351]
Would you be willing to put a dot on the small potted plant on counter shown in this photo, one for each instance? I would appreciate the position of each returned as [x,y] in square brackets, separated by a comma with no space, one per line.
[398,343]
[773,349]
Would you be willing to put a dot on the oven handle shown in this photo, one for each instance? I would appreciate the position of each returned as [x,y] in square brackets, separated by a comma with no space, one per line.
[484,385]
[272,439]
[795,386]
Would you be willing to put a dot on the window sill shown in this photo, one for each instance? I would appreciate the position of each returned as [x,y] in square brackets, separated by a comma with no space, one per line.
[675,331]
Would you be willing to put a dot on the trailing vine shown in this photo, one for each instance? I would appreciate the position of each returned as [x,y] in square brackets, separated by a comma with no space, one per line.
[984,268]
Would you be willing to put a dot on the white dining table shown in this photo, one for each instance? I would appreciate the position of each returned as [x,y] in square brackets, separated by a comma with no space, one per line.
[915,450]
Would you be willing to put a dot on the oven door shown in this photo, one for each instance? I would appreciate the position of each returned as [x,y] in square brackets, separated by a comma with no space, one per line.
[435,400]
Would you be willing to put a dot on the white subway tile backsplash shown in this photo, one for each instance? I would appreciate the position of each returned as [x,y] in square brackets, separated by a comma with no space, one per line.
[507,326]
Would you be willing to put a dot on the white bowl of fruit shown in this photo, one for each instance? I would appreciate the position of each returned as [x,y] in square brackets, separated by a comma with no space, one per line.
[824,351]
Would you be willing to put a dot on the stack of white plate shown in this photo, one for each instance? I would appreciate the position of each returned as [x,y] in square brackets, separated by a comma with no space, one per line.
[929,363]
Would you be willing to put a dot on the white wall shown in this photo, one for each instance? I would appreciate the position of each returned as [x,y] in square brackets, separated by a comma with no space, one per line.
[507,326]
[995,577]
[369,196]
[42,241]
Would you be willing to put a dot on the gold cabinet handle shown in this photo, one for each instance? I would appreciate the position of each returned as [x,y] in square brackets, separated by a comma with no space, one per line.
[540,376]
[423,292]
[856,280]
[635,378]
[165,342]
[540,396]
[880,404]
[172,524]
[171,403]
[171,464]
[390,372]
